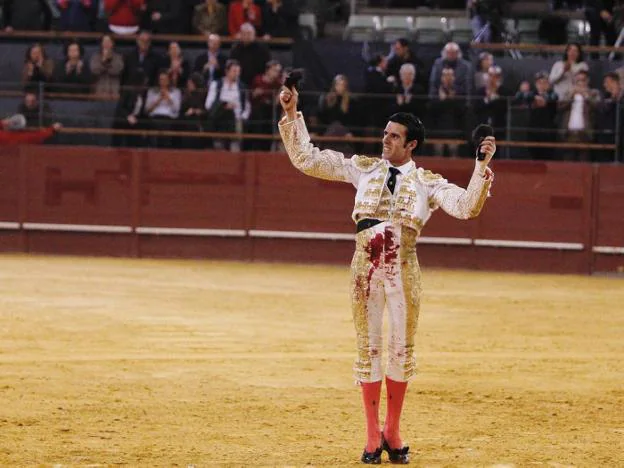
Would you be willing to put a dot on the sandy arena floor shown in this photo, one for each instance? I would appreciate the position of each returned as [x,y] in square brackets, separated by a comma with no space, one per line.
[176,363]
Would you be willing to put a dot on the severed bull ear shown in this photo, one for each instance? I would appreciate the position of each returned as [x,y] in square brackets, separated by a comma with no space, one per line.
[293,79]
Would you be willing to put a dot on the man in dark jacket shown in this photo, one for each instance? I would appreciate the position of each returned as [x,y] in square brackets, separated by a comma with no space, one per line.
[401,53]
[164,17]
[211,64]
[31,15]
[78,15]
[376,84]
[142,58]
[251,55]
[599,14]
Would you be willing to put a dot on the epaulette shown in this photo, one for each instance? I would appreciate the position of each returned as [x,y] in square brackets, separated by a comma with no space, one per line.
[365,163]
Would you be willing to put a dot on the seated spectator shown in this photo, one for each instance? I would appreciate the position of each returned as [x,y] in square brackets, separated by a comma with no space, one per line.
[337,106]
[251,55]
[491,104]
[37,66]
[210,17]
[178,67]
[241,12]
[163,17]
[542,105]
[142,58]
[36,114]
[280,18]
[129,113]
[264,91]
[124,16]
[577,114]
[401,53]
[193,112]
[211,64]
[610,116]
[77,15]
[26,15]
[377,84]
[486,60]
[451,58]
[72,75]
[563,72]
[162,106]
[228,104]
[106,68]
[447,113]
[409,94]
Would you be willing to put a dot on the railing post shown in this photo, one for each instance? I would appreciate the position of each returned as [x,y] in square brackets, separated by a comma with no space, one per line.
[618,133]
[41,103]
[508,129]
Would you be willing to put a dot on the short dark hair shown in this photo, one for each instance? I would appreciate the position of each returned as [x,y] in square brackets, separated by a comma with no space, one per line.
[230,63]
[415,128]
[404,42]
[613,75]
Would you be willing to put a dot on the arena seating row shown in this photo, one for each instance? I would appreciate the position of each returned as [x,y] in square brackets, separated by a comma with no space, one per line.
[439,29]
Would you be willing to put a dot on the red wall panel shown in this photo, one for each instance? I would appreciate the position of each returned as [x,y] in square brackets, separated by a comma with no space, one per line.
[610,207]
[9,183]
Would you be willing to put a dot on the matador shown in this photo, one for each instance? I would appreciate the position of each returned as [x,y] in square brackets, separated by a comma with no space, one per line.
[394,199]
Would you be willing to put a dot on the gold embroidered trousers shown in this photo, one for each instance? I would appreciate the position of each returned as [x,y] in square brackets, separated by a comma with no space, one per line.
[385,270]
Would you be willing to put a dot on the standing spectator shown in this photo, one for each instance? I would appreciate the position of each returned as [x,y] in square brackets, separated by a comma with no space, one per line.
[486,60]
[251,55]
[106,68]
[542,105]
[491,104]
[447,113]
[36,114]
[124,16]
[600,15]
[162,106]
[163,17]
[177,66]
[142,58]
[280,18]
[129,113]
[193,112]
[72,75]
[401,53]
[563,71]
[37,66]
[378,86]
[27,15]
[210,17]
[451,58]
[77,15]
[228,104]
[408,93]
[211,64]
[577,110]
[241,12]
[610,120]
[264,91]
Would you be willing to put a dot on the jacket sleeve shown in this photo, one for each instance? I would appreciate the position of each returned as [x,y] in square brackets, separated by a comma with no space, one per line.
[456,201]
[25,136]
[312,161]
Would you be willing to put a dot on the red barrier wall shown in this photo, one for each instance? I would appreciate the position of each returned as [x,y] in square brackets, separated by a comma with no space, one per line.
[559,217]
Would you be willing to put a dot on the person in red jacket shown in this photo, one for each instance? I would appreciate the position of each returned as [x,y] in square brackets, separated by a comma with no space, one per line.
[243,11]
[124,15]
[11,132]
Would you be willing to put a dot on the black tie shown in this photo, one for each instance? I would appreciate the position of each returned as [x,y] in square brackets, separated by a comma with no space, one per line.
[392,179]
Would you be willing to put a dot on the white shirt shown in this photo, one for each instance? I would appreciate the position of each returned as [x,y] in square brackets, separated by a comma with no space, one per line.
[577,118]
[404,169]
[230,93]
[164,108]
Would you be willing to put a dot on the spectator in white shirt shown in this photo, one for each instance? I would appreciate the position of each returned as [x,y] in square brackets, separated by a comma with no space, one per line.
[578,113]
[162,106]
[228,104]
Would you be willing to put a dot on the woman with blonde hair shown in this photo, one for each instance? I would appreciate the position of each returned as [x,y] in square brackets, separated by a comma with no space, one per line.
[337,105]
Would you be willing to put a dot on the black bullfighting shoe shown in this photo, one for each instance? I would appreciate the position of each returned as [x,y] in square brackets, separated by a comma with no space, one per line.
[372,458]
[398,456]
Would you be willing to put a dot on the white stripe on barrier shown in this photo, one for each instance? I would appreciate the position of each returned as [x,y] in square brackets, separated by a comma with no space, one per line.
[444,240]
[168,231]
[96,228]
[9,226]
[608,250]
[529,244]
[301,235]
